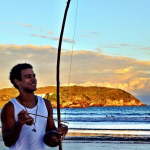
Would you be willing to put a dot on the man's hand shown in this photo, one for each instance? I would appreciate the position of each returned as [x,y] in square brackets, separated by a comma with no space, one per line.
[62,130]
[24,118]
[51,137]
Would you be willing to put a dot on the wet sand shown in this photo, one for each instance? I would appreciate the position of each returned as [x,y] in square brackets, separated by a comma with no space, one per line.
[115,133]
[104,145]
[98,145]
[102,140]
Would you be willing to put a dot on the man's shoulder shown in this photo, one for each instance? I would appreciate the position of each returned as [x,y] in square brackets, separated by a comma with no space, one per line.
[48,104]
[45,100]
[8,107]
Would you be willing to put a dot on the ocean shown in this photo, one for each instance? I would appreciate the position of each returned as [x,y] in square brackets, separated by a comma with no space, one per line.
[99,118]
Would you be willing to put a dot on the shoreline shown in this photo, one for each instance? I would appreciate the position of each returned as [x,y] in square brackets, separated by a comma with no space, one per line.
[113,132]
[104,140]
[107,135]
[110,133]
[89,129]
[143,105]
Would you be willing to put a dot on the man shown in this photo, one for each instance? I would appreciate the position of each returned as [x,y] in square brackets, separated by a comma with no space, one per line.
[21,129]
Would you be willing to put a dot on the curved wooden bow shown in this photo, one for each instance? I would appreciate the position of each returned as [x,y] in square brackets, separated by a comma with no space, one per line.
[58,66]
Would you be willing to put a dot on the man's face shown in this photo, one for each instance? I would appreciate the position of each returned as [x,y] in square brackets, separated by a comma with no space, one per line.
[28,82]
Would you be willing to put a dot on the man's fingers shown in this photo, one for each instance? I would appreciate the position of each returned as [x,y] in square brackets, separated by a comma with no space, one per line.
[63,137]
[29,121]
[24,118]
[59,132]
[62,130]
[63,125]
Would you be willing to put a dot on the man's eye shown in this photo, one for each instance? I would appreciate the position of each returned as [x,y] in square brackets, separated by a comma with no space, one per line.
[28,76]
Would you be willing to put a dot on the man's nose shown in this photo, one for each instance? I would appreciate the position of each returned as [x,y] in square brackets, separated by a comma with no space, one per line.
[33,78]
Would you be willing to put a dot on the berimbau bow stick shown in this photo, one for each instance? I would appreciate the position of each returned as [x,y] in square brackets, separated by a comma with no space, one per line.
[48,117]
[58,66]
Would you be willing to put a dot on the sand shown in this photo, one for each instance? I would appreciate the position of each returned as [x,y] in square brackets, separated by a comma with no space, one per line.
[102,140]
[98,145]
[116,133]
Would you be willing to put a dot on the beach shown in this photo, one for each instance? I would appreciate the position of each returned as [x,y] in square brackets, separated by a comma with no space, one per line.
[104,145]
[102,140]
[98,145]
[104,128]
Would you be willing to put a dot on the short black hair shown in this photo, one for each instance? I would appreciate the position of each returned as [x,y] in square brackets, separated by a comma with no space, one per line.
[15,72]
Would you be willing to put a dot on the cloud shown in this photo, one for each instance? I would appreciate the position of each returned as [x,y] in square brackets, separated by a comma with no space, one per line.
[136,85]
[88,68]
[25,25]
[99,49]
[126,46]
[29,55]
[70,84]
[30,26]
[87,36]
[129,50]
[123,45]
[105,52]
[146,48]
[67,40]
[50,32]
[40,29]
[42,36]
[147,53]
[94,32]
[130,45]
[124,70]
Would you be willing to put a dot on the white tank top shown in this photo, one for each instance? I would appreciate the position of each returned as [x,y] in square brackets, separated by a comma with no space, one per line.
[29,140]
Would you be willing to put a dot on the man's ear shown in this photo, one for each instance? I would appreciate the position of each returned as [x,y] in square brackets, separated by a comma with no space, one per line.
[17,82]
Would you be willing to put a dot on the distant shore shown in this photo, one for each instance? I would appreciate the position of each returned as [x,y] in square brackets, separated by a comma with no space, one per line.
[79,96]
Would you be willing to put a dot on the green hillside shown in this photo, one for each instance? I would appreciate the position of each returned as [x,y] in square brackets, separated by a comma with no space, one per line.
[78,96]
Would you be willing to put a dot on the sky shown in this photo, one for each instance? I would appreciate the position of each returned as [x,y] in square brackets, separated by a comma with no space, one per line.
[105,42]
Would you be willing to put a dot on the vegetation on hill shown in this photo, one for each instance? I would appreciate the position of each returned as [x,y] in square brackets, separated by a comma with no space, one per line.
[6,94]
[78,96]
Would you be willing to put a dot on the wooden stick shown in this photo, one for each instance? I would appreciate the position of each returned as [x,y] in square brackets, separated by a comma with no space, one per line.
[57,71]
[48,117]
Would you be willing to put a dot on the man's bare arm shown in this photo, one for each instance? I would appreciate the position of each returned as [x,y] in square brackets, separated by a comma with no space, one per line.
[11,129]
[50,121]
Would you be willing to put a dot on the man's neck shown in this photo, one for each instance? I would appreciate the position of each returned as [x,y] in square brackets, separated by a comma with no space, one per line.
[27,99]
